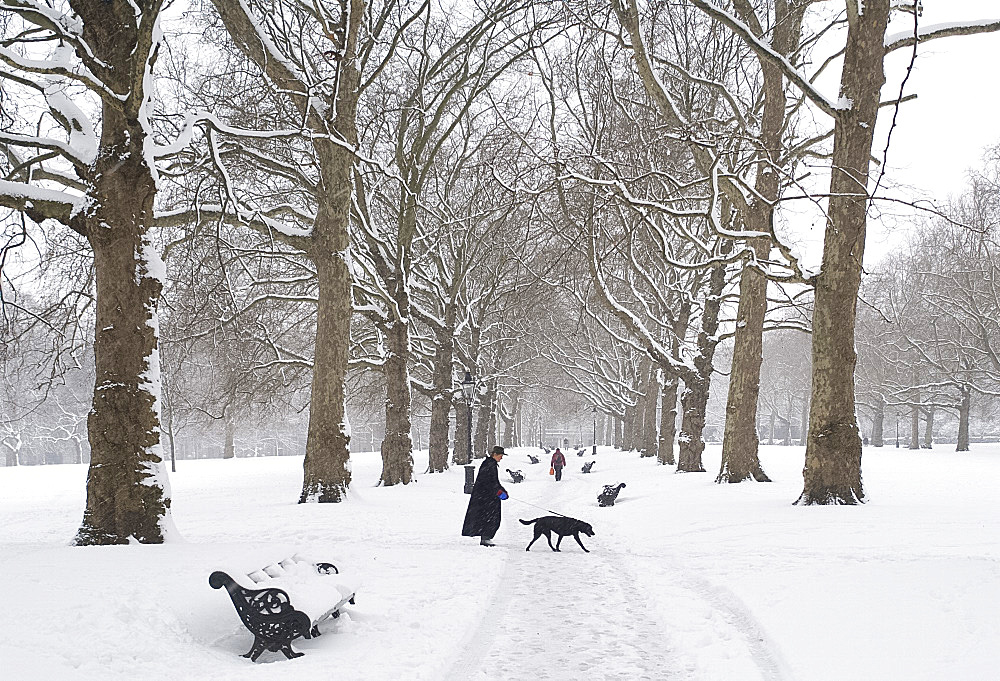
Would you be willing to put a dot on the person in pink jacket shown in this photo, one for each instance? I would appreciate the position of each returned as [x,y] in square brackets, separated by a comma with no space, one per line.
[558,461]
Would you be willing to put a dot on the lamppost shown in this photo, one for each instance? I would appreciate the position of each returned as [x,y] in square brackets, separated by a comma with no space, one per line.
[469,391]
[594,411]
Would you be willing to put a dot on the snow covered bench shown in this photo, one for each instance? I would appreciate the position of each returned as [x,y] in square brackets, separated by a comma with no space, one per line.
[285,601]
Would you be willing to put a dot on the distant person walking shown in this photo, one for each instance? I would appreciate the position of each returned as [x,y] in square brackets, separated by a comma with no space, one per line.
[482,519]
[558,462]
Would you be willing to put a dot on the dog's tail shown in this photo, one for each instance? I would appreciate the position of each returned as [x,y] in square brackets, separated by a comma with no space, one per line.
[528,522]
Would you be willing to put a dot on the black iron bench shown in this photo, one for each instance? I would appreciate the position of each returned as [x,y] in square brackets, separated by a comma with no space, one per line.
[264,601]
[609,494]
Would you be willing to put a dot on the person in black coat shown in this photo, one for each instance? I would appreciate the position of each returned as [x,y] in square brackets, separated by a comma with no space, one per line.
[482,519]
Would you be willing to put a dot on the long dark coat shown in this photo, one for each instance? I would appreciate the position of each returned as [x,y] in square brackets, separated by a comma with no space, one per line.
[482,519]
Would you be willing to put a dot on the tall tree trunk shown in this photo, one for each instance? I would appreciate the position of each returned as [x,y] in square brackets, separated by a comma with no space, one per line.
[229,451]
[651,400]
[508,429]
[740,460]
[628,428]
[127,490]
[915,423]
[619,430]
[694,399]
[929,429]
[463,434]
[832,471]
[804,421]
[788,423]
[440,432]
[668,420]
[397,447]
[11,457]
[516,440]
[326,470]
[878,422]
[441,401]
[963,420]
[485,430]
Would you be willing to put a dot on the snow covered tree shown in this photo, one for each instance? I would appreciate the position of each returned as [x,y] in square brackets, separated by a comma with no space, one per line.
[78,153]
[832,472]
[319,79]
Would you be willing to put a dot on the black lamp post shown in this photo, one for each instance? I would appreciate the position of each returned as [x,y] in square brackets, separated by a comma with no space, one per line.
[594,411]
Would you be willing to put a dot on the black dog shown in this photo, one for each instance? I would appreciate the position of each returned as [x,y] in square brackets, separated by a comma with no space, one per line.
[587,466]
[532,459]
[610,493]
[516,476]
[562,526]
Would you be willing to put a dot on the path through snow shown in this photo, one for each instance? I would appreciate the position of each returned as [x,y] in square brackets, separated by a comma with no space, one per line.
[574,615]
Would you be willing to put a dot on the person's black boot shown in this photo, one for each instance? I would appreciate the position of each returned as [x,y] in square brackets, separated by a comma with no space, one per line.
[486,542]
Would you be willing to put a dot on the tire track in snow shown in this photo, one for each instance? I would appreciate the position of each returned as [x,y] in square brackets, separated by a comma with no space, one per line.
[569,615]
[770,664]
[475,646]
[736,618]
[566,615]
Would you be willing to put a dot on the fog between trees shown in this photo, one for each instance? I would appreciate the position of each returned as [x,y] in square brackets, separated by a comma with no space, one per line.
[281,228]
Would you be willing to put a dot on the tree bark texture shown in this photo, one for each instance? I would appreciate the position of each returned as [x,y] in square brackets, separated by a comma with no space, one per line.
[463,419]
[127,495]
[441,401]
[325,468]
[740,460]
[397,447]
[326,471]
[440,431]
[878,423]
[963,420]
[229,450]
[628,429]
[694,399]
[326,474]
[832,471]
[127,490]
[485,422]
[929,429]
[668,421]
[915,423]
[650,402]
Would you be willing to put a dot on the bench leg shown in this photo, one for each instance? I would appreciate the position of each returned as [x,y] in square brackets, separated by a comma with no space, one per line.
[258,647]
[289,653]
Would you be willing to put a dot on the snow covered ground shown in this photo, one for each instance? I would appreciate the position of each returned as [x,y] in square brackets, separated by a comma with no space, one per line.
[685,580]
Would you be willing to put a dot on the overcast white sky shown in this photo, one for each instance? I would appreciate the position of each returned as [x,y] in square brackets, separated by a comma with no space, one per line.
[938,137]
[942,134]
